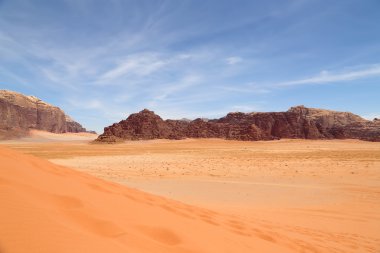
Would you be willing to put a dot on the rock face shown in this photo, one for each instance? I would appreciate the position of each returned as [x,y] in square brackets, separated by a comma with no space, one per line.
[19,113]
[297,122]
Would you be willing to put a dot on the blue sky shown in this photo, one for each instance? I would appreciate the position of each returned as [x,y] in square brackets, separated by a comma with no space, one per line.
[102,60]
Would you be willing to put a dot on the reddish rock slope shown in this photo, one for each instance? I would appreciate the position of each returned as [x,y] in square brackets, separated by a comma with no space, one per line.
[297,122]
[19,113]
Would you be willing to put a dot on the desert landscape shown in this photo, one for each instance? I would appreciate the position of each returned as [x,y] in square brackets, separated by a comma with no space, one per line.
[301,180]
[272,196]
[187,126]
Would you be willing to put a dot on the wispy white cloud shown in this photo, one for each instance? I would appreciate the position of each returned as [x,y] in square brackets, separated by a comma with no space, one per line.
[139,65]
[371,116]
[87,104]
[233,60]
[245,108]
[14,77]
[324,77]
[51,75]
[249,88]
[333,77]
[185,82]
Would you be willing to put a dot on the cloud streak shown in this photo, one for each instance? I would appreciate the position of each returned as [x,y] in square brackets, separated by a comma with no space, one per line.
[138,65]
[371,116]
[185,83]
[233,60]
[328,77]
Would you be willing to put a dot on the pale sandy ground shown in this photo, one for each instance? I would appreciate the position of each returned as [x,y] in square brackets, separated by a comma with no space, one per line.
[296,195]
[37,136]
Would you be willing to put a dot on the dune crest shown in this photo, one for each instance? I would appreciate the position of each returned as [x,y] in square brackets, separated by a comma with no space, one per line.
[49,208]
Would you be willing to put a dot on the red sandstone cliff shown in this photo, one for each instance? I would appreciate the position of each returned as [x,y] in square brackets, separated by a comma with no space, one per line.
[19,113]
[297,122]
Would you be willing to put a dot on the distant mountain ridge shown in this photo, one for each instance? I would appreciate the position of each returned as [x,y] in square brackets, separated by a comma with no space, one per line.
[19,113]
[298,122]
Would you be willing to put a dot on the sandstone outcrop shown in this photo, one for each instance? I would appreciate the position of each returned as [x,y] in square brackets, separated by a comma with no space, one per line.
[19,113]
[297,122]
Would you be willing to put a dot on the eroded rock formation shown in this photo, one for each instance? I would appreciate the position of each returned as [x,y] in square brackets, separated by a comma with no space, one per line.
[297,122]
[19,113]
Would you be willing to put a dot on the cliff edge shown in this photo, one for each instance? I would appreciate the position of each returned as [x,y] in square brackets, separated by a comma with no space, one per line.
[19,113]
[298,122]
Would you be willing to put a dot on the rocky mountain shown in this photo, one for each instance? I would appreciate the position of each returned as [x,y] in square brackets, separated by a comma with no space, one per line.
[297,122]
[19,113]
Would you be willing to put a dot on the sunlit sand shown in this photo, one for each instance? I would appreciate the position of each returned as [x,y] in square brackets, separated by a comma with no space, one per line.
[276,196]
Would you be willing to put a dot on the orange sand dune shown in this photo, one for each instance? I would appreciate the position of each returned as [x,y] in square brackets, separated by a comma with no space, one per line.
[49,208]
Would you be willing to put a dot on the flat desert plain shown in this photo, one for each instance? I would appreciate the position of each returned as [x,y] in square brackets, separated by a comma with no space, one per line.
[203,195]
